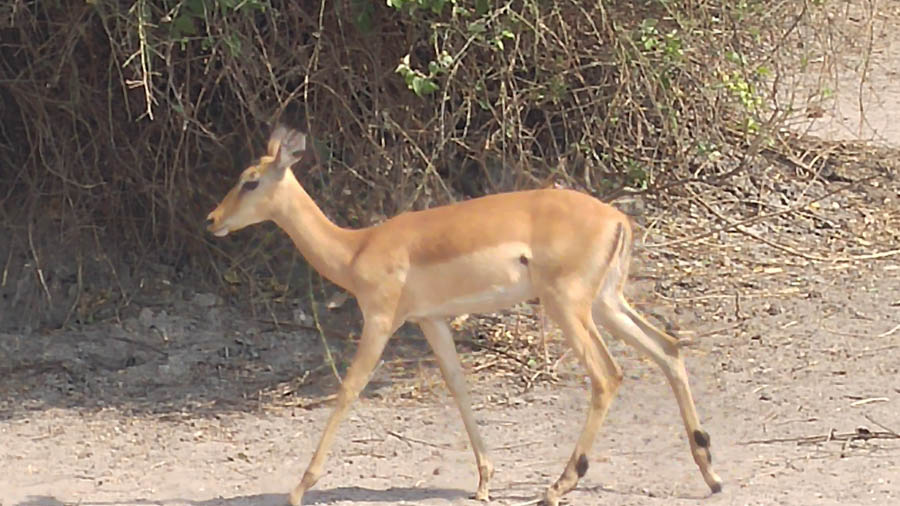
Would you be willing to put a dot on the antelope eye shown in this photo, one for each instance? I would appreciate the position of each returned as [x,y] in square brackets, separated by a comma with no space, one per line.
[249,185]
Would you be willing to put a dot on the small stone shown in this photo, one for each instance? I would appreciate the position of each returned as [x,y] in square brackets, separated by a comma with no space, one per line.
[206,299]
[214,315]
[300,316]
[145,318]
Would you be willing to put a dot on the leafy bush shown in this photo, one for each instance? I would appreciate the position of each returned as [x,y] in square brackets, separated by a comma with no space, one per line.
[126,121]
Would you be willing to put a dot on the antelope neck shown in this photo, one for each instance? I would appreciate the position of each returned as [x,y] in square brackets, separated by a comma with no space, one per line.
[328,248]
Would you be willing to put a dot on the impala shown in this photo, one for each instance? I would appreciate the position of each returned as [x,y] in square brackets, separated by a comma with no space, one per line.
[564,247]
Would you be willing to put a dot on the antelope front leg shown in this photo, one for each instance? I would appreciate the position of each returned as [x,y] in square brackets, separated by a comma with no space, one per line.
[438,335]
[375,335]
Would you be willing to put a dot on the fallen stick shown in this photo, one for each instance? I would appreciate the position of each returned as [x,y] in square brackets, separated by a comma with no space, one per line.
[861,434]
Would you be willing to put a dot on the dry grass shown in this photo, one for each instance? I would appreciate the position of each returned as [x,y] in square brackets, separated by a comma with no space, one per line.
[124,124]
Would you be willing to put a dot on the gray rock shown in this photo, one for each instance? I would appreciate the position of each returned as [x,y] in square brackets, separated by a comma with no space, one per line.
[206,299]
[146,318]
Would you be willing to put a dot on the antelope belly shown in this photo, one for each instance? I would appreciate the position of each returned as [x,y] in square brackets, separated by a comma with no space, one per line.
[484,281]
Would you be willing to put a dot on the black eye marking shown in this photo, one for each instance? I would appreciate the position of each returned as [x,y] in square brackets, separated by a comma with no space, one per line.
[249,185]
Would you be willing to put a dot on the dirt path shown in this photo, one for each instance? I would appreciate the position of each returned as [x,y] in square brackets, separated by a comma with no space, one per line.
[192,404]
[866,91]
[807,370]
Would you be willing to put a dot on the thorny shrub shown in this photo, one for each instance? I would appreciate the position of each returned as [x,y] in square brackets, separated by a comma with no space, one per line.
[123,122]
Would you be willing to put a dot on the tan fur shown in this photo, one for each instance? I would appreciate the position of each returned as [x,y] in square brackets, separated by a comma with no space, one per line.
[485,254]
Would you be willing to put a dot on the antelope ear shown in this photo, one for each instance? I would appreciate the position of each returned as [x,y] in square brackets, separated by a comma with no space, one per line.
[286,146]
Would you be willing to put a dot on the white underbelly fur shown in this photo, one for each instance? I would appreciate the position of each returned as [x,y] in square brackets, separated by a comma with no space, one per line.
[494,298]
[483,282]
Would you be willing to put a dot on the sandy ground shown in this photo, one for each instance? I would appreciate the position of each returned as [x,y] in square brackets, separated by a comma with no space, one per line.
[795,368]
[182,429]
[866,90]
[186,402]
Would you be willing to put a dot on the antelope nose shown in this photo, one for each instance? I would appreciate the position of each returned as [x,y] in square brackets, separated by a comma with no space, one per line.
[209,223]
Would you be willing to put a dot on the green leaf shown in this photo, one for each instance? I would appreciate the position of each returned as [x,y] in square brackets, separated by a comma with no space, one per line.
[233,42]
[422,86]
[437,6]
[194,7]
[363,10]
[477,27]
[184,25]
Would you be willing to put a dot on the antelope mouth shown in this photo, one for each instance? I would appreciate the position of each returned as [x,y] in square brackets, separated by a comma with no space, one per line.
[219,232]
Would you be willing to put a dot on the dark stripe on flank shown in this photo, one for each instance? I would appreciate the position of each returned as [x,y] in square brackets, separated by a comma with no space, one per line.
[618,243]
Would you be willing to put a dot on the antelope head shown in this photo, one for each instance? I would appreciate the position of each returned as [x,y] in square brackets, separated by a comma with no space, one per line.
[256,193]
